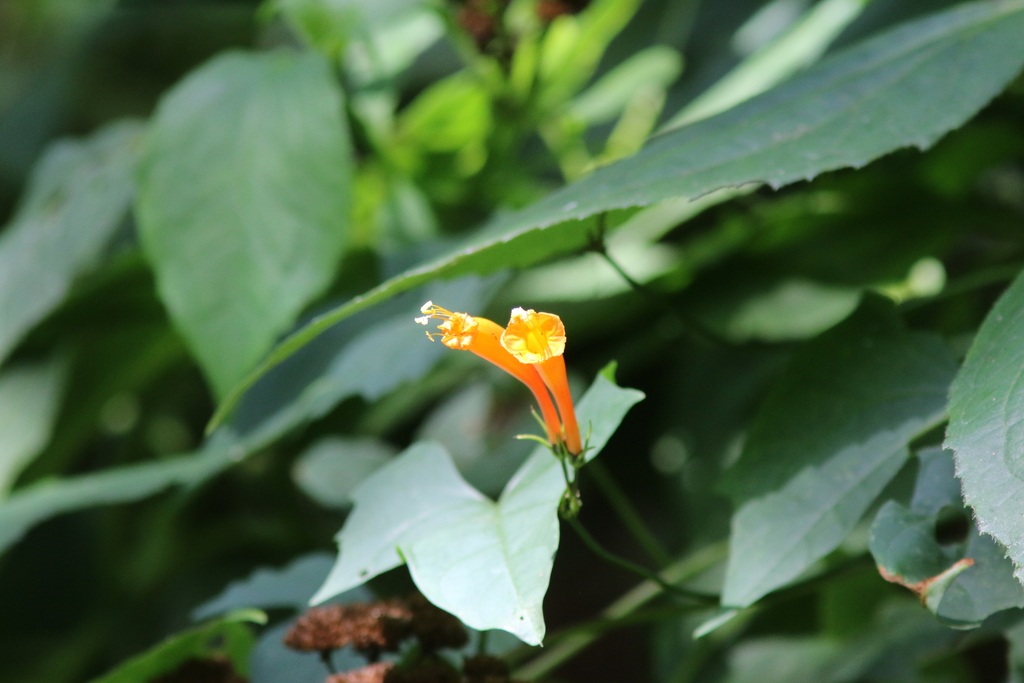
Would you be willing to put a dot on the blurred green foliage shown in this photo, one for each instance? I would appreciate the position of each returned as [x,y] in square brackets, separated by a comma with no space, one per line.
[250,200]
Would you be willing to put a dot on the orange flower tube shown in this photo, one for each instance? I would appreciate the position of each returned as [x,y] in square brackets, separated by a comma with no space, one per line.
[481,336]
[538,339]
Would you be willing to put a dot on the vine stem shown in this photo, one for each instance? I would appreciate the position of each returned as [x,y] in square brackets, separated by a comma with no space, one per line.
[575,641]
[627,513]
[694,328]
[622,562]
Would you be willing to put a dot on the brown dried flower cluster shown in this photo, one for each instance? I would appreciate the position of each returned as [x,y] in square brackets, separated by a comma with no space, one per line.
[376,627]
[372,673]
[370,627]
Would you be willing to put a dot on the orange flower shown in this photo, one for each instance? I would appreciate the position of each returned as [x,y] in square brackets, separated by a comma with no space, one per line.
[481,336]
[538,339]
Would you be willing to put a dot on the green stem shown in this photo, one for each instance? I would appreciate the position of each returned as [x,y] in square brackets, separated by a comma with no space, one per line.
[572,643]
[694,328]
[630,518]
[622,562]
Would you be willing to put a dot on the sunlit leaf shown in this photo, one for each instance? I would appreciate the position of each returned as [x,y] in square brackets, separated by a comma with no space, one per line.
[486,562]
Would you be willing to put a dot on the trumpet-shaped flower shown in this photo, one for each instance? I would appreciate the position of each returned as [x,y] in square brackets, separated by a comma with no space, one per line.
[481,336]
[538,339]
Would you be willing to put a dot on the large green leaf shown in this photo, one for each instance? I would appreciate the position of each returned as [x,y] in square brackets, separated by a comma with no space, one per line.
[903,88]
[986,424]
[825,443]
[243,202]
[78,195]
[486,562]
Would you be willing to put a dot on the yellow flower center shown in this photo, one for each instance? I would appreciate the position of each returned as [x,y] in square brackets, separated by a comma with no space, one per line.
[534,337]
[457,330]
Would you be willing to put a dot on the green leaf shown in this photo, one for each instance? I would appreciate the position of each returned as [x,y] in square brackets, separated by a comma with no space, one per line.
[375,361]
[328,25]
[287,587]
[783,310]
[986,424]
[903,542]
[905,87]
[654,67]
[983,589]
[29,398]
[229,636]
[800,46]
[486,562]
[900,636]
[369,356]
[243,202]
[826,442]
[331,468]
[32,504]
[77,197]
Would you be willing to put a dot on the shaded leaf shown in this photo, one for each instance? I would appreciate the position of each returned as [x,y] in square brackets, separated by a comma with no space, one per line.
[330,469]
[369,356]
[486,562]
[289,586]
[826,442]
[905,87]
[981,590]
[229,636]
[799,46]
[963,583]
[986,424]
[29,398]
[900,637]
[903,539]
[243,202]
[32,504]
[781,311]
[78,195]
